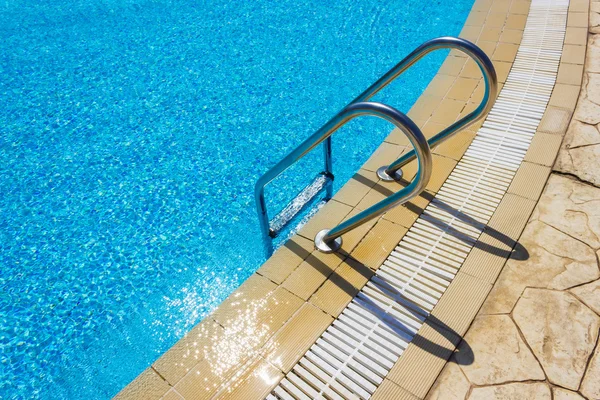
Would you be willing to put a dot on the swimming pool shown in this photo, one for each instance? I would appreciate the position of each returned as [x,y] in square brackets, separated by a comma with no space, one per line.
[132,135]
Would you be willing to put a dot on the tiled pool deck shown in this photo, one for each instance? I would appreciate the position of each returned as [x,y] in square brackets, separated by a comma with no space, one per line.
[244,349]
[536,335]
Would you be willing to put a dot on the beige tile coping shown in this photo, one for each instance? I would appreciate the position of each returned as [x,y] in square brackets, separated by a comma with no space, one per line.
[255,336]
[515,209]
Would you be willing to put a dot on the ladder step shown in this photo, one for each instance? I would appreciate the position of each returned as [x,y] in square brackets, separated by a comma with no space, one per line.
[299,203]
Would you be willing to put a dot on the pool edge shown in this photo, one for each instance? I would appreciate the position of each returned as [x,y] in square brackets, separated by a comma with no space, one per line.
[433,109]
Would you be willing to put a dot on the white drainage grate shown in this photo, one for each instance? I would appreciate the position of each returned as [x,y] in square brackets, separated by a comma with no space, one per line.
[357,351]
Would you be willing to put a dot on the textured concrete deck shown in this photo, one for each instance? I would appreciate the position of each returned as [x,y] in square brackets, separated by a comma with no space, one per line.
[536,335]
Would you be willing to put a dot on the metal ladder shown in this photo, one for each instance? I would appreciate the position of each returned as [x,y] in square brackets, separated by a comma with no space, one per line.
[329,240]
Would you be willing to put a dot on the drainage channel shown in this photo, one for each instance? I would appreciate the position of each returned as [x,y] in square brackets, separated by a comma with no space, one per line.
[353,356]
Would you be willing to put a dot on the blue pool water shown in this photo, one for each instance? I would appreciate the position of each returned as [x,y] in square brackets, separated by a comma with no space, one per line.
[131,135]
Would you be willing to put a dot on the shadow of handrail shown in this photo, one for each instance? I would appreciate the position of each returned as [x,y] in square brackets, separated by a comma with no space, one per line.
[390,321]
[517,252]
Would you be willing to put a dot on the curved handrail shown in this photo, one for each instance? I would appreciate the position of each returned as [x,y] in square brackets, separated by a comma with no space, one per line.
[329,240]
[390,173]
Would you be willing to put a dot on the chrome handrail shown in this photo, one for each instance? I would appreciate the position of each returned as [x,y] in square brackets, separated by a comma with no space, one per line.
[393,171]
[330,240]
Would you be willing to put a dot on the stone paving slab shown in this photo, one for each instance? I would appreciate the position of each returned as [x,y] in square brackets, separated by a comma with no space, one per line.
[512,391]
[501,355]
[561,331]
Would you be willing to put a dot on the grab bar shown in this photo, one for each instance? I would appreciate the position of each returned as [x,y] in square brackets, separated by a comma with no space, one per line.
[329,240]
[393,171]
